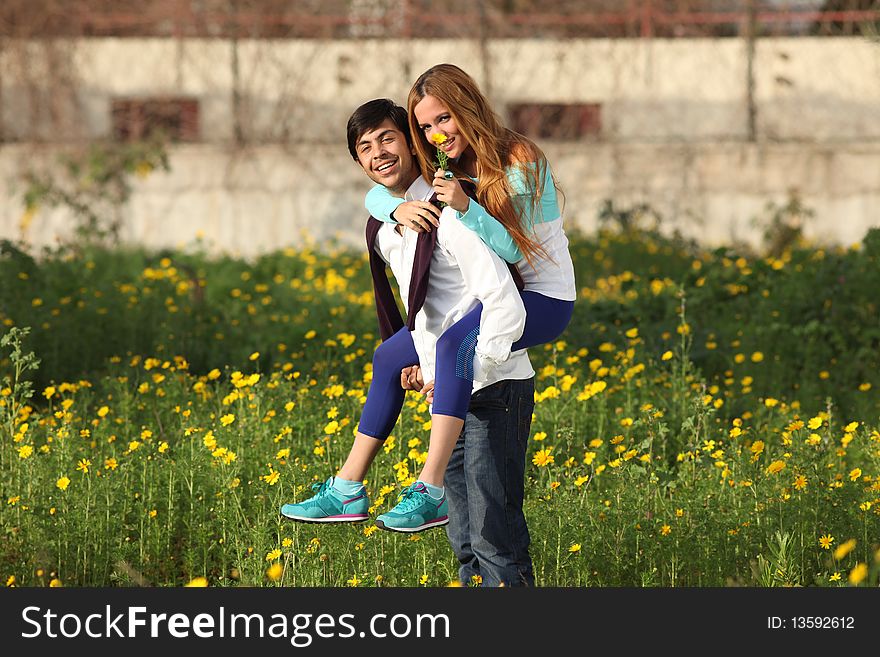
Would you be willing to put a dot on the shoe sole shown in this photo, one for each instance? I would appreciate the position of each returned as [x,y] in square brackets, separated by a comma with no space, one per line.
[331,519]
[413,530]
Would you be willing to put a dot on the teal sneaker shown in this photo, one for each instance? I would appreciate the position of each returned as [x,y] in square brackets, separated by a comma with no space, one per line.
[415,511]
[329,505]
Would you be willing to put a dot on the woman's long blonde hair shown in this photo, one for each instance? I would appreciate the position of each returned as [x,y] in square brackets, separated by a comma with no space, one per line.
[496,148]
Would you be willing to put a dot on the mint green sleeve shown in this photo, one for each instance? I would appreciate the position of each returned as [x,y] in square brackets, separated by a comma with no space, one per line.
[380,203]
[491,231]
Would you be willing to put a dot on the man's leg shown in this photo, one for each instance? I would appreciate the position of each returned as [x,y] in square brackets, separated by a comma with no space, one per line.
[458,530]
[495,442]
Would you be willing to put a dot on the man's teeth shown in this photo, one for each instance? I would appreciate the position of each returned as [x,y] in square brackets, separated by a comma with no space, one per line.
[385,166]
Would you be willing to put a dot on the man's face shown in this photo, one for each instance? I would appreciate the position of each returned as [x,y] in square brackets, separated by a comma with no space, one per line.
[386,158]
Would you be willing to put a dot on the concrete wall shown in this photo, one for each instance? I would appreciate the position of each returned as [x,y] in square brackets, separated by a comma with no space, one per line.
[675,123]
[270,197]
[303,90]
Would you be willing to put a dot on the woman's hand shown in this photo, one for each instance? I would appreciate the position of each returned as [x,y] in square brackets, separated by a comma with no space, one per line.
[449,191]
[419,216]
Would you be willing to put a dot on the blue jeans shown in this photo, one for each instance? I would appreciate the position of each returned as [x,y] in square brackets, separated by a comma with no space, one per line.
[485,483]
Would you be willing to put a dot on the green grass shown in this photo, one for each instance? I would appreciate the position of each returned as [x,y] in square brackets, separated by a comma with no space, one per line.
[710,361]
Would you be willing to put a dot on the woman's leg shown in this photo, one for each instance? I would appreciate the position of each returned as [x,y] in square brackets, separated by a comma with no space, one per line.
[383,405]
[343,498]
[546,319]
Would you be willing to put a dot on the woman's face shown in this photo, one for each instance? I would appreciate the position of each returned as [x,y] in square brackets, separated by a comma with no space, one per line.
[433,117]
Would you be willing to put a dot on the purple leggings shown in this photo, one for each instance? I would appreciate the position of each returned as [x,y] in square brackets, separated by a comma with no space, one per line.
[546,319]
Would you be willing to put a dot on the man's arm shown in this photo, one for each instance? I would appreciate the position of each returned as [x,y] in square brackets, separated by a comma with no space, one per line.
[487,278]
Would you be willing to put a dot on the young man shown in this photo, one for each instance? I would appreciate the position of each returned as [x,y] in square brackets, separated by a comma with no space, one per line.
[483,484]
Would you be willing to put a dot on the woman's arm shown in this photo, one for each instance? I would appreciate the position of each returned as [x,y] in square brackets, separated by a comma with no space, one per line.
[381,203]
[417,215]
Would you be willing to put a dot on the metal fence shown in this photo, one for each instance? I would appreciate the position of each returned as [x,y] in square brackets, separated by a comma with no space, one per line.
[304,19]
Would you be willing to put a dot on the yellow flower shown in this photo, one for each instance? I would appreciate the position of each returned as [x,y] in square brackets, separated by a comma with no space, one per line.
[775,467]
[310,335]
[851,427]
[271,478]
[665,530]
[541,435]
[83,465]
[844,549]
[859,573]
[274,554]
[111,463]
[580,481]
[543,457]
[834,578]
[770,402]
[102,412]
[757,357]
[855,474]
[63,483]
[163,447]
[197,582]
[667,355]
[55,583]
[815,422]
[227,419]
[254,355]
[354,581]
[25,451]
[800,482]
[274,572]
[438,139]
[826,541]
[287,542]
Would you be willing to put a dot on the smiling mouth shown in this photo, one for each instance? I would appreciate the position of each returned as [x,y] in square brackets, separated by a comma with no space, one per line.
[385,166]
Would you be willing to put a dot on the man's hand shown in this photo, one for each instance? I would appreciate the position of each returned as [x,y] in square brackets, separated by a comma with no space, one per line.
[419,216]
[428,391]
[450,192]
[411,378]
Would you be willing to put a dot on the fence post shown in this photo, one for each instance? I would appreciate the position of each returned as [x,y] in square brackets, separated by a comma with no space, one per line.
[484,49]
[647,19]
[751,29]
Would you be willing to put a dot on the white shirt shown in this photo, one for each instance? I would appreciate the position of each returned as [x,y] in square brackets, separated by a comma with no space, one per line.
[464,271]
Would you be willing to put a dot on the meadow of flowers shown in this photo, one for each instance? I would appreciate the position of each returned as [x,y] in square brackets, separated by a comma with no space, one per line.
[709,418]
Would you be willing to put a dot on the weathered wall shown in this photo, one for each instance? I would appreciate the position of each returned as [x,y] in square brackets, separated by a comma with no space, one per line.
[268,197]
[674,114]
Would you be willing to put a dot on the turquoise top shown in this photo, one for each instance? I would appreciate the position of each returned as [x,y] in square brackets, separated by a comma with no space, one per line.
[380,203]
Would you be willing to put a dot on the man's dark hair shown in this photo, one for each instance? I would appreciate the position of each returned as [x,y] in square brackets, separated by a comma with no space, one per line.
[370,116]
